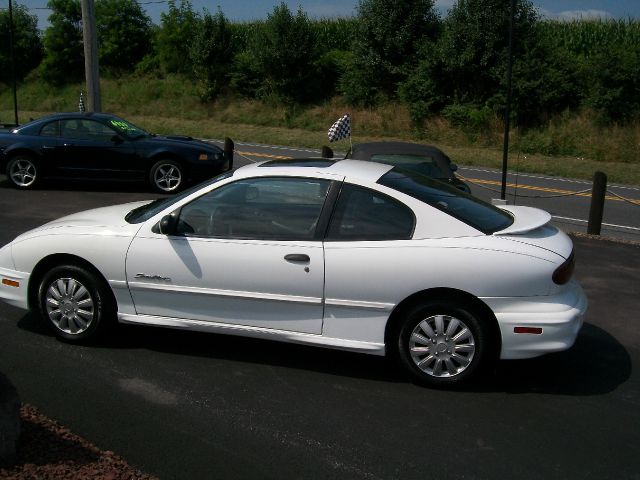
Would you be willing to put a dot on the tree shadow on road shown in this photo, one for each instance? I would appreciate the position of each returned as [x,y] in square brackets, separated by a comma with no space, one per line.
[595,365]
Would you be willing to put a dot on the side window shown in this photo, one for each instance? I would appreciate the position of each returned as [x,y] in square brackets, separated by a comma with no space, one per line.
[363,214]
[82,129]
[257,208]
[99,131]
[51,129]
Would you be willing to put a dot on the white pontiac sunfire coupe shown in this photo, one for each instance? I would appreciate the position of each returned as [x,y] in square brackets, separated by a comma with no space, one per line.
[344,254]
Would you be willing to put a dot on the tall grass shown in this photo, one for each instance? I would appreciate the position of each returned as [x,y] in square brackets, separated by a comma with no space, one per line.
[573,144]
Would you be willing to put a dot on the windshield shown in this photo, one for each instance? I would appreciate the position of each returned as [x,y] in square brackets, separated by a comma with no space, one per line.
[145,212]
[422,164]
[126,128]
[466,208]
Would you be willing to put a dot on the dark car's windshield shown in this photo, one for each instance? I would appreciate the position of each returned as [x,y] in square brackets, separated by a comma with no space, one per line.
[148,210]
[466,208]
[423,164]
[126,128]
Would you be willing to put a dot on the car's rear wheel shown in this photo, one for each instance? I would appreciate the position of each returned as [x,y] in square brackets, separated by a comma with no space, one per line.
[23,172]
[167,176]
[75,303]
[442,344]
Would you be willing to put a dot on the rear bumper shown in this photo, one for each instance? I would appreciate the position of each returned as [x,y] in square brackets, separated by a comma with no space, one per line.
[559,316]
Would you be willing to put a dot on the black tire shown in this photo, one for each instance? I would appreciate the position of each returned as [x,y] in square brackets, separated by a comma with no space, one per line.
[23,172]
[76,303]
[167,176]
[452,352]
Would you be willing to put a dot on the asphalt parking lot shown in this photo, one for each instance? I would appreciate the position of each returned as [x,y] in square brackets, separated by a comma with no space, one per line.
[189,405]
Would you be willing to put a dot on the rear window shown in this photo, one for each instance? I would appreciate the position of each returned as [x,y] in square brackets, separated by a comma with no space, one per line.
[466,208]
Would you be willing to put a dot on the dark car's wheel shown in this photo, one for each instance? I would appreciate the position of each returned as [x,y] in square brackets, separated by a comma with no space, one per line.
[167,176]
[23,172]
[441,343]
[76,303]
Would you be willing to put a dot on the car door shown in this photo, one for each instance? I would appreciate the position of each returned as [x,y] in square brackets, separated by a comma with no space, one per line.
[245,253]
[89,148]
[367,241]
[48,144]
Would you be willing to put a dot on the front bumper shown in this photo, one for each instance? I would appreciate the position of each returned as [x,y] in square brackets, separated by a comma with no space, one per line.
[14,287]
[559,317]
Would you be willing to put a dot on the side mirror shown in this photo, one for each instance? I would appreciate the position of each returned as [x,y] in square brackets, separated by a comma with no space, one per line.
[453,167]
[168,224]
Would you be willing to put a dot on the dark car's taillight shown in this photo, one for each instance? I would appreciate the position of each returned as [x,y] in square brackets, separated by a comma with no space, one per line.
[564,272]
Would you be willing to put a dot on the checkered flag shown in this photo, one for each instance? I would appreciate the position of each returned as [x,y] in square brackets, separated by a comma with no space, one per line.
[81,103]
[340,129]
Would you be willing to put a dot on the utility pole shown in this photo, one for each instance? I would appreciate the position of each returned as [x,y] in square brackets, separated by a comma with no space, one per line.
[90,40]
[13,64]
[507,110]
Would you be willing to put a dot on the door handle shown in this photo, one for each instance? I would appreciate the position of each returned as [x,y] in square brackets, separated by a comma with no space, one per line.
[67,144]
[47,147]
[297,257]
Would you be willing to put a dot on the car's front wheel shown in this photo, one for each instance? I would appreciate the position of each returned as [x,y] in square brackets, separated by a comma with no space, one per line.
[75,303]
[167,176]
[23,172]
[442,344]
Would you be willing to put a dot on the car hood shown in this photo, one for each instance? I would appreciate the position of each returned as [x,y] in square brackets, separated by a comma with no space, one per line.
[99,221]
[182,140]
[531,226]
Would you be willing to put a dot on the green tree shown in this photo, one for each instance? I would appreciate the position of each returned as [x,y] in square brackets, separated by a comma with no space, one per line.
[175,36]
[285,54]
[467,65]
[27,44]
[124,34]
[388,36]
[614,89]
[64,55]
[211,52]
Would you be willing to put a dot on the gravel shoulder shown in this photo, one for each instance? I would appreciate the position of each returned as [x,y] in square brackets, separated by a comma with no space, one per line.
[47,450]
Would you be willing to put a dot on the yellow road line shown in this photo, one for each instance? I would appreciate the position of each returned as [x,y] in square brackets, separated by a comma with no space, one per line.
[478,180]
[264,155]
[546,189]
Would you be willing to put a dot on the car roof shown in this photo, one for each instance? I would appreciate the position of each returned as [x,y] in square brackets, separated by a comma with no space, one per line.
[365,171]
[64,115]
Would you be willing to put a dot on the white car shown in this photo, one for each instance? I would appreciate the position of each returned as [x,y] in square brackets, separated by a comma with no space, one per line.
[347,254]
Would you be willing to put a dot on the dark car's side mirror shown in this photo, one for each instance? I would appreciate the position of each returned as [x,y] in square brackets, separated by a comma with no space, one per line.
[168,224]
[453,167]
[117,139]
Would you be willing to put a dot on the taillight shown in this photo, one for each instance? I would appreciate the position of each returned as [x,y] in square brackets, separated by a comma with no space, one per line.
[564,272]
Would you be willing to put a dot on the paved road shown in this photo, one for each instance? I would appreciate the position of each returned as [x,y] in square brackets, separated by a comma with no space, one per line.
[556,195]
[186,405]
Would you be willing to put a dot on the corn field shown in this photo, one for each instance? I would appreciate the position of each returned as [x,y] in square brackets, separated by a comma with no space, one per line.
[585,37]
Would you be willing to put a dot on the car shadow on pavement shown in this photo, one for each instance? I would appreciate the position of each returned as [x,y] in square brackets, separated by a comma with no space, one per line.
[595,365]
[86,185]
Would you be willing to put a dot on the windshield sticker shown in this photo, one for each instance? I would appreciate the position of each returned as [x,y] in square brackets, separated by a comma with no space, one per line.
[122,125]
